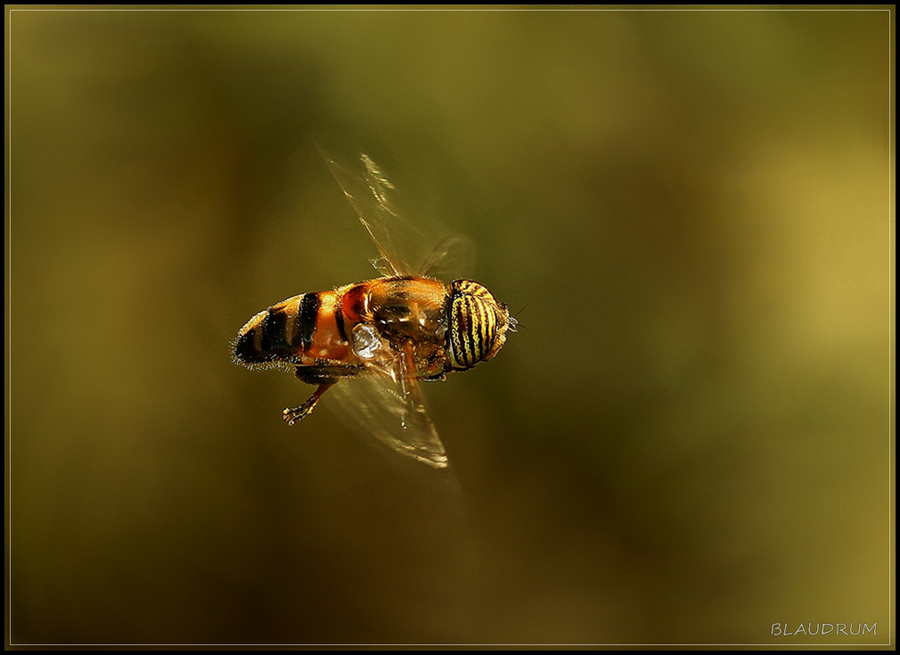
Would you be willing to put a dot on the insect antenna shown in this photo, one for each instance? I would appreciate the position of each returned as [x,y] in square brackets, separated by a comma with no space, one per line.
[515,323]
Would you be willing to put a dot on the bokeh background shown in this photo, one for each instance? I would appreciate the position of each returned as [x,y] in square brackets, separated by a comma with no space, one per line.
[689,440]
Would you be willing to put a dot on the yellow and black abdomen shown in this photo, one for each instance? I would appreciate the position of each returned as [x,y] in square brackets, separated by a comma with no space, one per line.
[301,331]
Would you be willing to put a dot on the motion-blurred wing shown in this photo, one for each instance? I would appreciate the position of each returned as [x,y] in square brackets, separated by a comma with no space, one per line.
[392,409]
[423,247]
[450,259]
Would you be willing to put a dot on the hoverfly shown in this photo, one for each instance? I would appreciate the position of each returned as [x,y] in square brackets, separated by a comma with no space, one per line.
[389,333]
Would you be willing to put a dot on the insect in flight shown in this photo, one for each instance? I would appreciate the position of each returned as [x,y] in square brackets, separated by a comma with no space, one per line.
[388,333]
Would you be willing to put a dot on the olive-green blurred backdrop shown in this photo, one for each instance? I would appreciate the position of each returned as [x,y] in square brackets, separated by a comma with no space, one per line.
[689,440]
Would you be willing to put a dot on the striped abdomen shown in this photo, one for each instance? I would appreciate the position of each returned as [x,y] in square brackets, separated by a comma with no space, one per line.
[303,330]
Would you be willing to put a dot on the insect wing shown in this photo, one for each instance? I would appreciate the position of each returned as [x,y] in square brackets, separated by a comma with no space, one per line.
[450,259]
[392,409]
[423,247]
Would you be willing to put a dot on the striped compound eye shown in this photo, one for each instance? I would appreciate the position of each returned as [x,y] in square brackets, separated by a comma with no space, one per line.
[477,325]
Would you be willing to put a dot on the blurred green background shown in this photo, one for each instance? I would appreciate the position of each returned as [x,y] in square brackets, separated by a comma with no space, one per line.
[690,440]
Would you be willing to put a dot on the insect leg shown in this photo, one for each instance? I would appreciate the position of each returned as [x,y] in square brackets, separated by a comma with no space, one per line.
[294,414]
